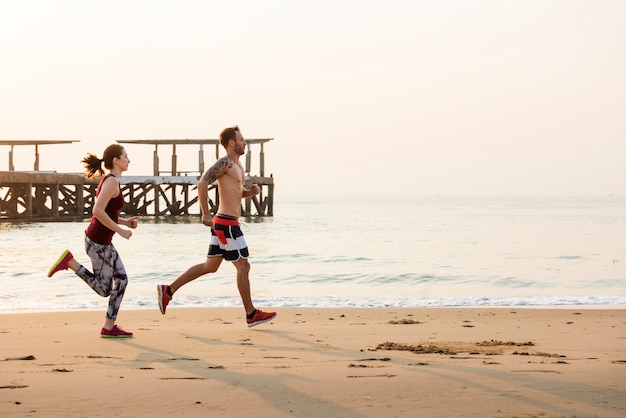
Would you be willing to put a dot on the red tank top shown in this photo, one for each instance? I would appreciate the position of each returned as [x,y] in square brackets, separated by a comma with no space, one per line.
[96,231]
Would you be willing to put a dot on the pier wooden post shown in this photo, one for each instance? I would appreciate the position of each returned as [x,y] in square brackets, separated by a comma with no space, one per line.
[174,170]
[247,203]
[157,206]
[270,197]
[55,200]
[80,200]
[201,160]
[155,161]
[262,162]
[36,165]
[28,200]
[11,167]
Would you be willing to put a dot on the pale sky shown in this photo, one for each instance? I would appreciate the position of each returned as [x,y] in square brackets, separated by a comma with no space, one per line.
[362,97]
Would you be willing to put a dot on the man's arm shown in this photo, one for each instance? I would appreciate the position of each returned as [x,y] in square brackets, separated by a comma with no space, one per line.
[214,172]
[217,170]
[254,190]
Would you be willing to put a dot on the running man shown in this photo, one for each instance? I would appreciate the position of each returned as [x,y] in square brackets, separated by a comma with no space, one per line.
[227,240]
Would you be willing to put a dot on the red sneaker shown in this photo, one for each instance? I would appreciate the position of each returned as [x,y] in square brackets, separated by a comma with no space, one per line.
[115,332]
[61,263]
[260,317]
[164,297]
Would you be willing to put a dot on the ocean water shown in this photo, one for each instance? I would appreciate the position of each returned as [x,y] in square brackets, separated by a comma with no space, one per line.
[430,251]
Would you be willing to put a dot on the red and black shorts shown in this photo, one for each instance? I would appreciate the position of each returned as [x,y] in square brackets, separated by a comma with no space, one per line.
[227,240]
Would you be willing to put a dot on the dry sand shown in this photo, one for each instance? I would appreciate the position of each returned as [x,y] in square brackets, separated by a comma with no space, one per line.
[344,362]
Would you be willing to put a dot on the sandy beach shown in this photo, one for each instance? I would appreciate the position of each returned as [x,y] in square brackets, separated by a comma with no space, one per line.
[348,362]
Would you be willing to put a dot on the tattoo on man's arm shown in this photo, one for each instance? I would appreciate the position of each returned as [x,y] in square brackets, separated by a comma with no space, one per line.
[218,169]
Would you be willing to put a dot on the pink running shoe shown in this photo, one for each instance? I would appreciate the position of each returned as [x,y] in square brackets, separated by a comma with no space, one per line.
[164,297]
[115,332]
[260,317]
[61,263]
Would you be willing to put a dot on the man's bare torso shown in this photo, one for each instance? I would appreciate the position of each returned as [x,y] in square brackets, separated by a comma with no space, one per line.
[230,188]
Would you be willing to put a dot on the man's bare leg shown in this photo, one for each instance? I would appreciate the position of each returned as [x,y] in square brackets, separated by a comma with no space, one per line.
[243,284]
[209,266]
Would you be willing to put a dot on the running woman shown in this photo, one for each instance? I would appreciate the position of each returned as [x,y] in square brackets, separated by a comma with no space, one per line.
[109,276]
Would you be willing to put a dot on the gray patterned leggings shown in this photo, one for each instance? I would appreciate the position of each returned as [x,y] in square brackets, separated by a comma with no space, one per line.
[108,277]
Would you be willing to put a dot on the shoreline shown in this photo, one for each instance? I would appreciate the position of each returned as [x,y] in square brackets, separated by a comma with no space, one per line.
[495,307]
[335,362]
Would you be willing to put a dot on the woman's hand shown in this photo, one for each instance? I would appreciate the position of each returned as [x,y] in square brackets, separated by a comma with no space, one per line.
[132,222]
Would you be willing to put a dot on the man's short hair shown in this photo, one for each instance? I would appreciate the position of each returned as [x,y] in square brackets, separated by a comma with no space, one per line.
[228,134]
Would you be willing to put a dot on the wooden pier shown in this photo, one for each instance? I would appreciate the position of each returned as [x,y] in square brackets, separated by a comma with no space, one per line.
[52,196]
